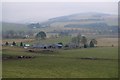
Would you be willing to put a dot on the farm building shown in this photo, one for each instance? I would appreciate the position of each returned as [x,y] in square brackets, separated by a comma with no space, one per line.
[47,46]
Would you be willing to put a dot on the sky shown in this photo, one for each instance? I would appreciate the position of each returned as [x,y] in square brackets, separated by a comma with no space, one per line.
[23,12]
[60,0]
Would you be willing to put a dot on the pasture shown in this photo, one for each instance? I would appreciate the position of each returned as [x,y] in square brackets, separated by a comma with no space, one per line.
[101,41]
[99,62]
[62,63]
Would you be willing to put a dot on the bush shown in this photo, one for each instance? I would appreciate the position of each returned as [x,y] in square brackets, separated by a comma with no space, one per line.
[91,44]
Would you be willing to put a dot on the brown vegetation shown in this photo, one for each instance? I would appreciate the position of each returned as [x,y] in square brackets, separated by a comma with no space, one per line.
[107,41]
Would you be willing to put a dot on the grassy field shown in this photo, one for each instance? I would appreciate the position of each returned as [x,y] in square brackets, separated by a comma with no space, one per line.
[64,40]
[101,41]
[17,40]
[62,63]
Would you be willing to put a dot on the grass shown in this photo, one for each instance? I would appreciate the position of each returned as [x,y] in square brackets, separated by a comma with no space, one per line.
[64,64]
[18,41]
[0,62]
[64,40]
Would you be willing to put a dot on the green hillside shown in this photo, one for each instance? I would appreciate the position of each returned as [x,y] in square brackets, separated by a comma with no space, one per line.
[14,26]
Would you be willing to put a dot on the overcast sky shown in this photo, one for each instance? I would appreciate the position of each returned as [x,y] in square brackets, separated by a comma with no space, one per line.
[40,11]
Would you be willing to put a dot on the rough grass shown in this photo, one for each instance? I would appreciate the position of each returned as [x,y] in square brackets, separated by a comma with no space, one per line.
[63,64]
[107,41]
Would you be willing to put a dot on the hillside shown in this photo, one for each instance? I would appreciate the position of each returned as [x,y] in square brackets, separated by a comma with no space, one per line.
[85,17]
[90,22]
[98,22]
[14,26]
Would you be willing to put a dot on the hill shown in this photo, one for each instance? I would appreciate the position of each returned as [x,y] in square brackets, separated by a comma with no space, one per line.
[85,17]
[14,26]
[94,22]
[90,22]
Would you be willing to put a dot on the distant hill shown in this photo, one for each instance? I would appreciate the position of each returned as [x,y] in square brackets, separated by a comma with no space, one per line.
[84,18]
[80,16]
[80,21]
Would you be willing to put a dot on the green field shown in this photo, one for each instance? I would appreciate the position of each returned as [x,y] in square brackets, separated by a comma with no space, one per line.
[64,40]
[62,63]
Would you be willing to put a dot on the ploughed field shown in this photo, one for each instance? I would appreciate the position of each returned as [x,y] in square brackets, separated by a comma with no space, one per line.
[101,62]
